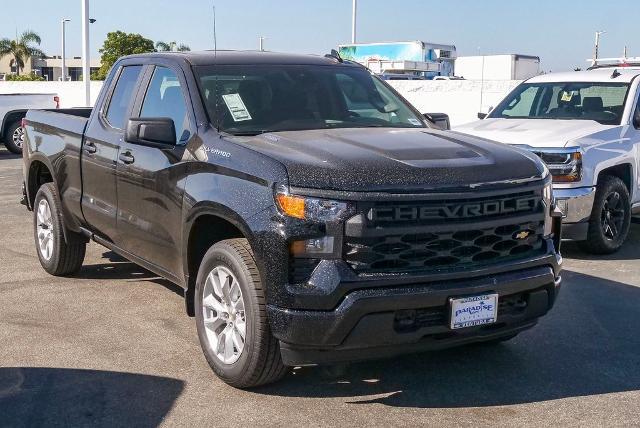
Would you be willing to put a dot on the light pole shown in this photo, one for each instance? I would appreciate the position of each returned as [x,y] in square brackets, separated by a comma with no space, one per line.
[597,45]
[86,71]
[353,21]
[261,43]
[64,64]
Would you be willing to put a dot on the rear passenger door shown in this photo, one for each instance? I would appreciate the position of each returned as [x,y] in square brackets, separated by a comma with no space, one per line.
[151,179]
[100,150]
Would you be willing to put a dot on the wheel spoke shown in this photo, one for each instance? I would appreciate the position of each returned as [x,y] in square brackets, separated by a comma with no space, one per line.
[212,303]
[214,323]
[614,201]
[241,328]
[238,340]
[224,285]
[228,344]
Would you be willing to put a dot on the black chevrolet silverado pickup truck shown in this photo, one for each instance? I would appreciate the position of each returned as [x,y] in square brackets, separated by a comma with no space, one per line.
[310,214]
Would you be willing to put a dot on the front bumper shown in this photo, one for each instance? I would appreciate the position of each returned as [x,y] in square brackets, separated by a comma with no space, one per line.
[366,323]
[576,205]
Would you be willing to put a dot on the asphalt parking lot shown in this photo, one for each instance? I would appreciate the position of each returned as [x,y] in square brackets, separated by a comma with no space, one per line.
[113,346]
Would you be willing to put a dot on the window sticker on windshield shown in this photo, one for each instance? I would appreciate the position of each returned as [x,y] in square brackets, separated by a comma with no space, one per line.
[236,107]
[566,96]
[413,121]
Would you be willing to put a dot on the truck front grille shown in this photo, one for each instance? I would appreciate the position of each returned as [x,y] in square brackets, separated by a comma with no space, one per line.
[443,250]
[419,237]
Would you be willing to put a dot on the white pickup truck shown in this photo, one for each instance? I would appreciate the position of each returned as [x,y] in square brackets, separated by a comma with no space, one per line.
[586,127]
[13,107]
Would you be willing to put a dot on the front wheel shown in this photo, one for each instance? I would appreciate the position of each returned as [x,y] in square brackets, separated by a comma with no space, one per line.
[231,317]
[14,138]
[610,218]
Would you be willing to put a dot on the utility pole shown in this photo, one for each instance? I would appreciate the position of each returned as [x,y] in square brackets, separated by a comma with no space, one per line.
[597,45]
[64,64]
[353,21]
[86,71]
[261,43]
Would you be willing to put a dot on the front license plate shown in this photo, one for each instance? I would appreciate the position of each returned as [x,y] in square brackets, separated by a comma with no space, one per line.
[475,310]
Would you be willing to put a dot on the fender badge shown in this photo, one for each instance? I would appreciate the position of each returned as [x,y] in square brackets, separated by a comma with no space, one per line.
[523,234]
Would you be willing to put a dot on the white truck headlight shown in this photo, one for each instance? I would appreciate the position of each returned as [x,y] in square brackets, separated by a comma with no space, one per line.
[565,165]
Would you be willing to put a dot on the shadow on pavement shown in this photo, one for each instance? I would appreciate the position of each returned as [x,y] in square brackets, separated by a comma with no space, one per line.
[629,250]
[6,154]
[588,344]
[67,397]
[122,269]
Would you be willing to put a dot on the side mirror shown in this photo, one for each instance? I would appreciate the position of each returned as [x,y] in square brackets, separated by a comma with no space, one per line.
[151,131]
[440,120]
[482,115]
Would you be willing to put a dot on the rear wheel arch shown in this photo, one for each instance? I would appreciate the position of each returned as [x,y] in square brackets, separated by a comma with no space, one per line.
[39,173]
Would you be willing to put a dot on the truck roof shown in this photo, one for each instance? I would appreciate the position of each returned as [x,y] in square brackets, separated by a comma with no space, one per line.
[232,57]
[597,75]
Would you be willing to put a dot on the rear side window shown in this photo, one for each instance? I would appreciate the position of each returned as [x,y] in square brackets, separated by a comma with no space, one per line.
[164,99]
[122,95]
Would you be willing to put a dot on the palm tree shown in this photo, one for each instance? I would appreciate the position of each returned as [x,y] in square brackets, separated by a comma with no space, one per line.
[171,46]
[22,48]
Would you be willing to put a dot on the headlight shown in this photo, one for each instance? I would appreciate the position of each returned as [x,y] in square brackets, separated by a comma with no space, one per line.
[565,165]
[547,200]
[306,208]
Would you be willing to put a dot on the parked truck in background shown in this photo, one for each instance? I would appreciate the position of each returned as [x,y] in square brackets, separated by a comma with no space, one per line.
[310,214]
[13,107]
[498,67]
[586,126]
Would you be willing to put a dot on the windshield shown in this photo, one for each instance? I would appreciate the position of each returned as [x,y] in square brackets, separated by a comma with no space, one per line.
[249,100]
[602,102]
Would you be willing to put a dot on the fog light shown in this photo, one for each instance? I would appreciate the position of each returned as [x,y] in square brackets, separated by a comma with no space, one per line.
[312,247]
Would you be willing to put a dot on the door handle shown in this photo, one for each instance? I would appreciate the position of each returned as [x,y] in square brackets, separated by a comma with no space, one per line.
[90,148]
[126,157]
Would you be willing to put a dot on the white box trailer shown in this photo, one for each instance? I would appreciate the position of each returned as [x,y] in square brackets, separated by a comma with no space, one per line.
[497,67]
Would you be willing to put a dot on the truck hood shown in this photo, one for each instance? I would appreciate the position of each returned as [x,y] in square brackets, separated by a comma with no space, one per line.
[533,132]
[391,159]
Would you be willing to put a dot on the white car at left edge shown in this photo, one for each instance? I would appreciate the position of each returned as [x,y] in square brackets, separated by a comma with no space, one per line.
[585,125]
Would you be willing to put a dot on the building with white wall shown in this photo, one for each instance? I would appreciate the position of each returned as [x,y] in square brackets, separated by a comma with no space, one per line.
[50,67]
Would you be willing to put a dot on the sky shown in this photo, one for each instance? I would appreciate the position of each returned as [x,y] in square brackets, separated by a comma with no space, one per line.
[560,32]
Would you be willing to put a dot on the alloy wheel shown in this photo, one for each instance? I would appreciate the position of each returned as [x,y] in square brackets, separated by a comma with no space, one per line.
[224,315]
[45,230]
[612,215]
[18,137]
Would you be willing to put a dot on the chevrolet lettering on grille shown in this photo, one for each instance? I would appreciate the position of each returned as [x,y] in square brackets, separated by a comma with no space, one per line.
[454,211]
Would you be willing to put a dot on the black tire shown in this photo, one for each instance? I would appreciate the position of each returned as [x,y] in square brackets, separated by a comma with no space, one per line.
[66,256]
[9,136]
[259,362]
[607,232]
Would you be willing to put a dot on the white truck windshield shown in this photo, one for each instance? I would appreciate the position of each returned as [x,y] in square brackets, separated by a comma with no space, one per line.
[602,102]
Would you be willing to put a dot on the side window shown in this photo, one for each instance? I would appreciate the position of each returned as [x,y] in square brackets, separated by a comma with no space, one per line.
[122,95]
[164,99]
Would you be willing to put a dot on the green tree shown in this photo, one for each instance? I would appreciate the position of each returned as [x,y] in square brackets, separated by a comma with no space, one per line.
[171,46]
[22,48]
[119,44]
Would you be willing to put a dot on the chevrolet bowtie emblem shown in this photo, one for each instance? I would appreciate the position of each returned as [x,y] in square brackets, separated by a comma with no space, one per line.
[522,235]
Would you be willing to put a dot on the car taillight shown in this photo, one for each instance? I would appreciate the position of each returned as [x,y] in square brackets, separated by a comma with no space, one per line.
[57,101]
[23,122]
